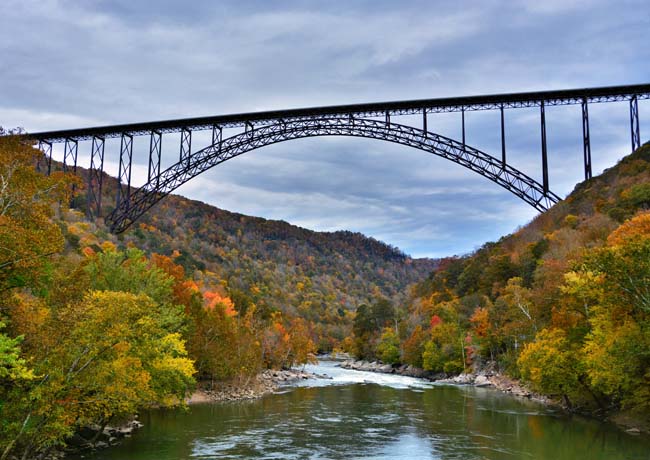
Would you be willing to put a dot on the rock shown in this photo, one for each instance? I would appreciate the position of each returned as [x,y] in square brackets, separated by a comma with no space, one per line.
[77,441]
[101,445]
[386,369]
[482,381]
[463,379]
[634,431]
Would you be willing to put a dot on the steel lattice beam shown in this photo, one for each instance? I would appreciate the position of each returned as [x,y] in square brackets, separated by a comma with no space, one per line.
[490,167]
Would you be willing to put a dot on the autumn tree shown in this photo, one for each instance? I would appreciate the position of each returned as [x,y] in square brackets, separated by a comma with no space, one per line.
[112,355]
[551,365]
[388,347]
[303,349]
[27,199]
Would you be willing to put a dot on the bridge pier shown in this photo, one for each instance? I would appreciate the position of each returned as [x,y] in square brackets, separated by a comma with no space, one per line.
[634,123]
[124,170]
[424,121]
[462,122]
[586,142]
[542,112]
[46,148]
[186,145]
[503,138]
[70,153]
[95,178]
[155,153]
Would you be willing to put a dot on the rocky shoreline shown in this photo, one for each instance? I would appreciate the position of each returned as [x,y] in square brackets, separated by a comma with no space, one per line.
[267,382]
[482,378]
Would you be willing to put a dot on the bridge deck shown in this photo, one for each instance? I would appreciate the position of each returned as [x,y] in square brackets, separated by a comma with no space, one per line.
[451,104]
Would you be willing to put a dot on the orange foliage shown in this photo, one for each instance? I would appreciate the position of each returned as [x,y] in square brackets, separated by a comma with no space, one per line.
[183,289]
[480,322]
[637,227]
[212,299]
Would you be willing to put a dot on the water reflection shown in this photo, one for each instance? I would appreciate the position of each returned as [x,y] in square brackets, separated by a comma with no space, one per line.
[399,419]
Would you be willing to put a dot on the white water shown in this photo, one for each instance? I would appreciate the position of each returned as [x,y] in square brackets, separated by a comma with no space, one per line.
[340,376]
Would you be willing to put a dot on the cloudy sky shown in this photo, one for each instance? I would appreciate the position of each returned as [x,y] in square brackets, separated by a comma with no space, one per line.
[70,64]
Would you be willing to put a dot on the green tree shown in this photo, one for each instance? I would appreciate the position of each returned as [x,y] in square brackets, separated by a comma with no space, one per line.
[388,346]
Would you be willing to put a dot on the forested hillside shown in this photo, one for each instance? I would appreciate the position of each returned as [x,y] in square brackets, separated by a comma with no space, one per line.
[319,276]
[564,302]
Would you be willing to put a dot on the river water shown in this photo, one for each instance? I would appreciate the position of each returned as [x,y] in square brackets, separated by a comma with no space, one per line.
[362,415]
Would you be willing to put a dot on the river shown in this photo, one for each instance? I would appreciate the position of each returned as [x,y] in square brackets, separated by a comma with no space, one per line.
[362,415]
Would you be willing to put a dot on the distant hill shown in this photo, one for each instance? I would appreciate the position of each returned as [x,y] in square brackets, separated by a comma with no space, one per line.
[321,276]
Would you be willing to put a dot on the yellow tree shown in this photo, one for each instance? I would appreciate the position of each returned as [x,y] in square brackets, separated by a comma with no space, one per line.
[112,354]
[27,198]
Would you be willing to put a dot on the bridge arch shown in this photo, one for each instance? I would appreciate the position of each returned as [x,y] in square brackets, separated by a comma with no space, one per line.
[139,201]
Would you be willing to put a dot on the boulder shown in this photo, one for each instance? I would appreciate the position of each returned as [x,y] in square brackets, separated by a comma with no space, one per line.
[482,381]
[464,379]
[386,369]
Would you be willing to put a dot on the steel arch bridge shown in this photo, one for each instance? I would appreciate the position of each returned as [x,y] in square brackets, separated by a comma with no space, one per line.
[371,121]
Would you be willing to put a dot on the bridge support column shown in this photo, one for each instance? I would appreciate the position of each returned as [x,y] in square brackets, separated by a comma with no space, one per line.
[46,148]
[124,170]
[542,112]
[503,138]
[424,122]
[462,122]
[634,123]
[70,154]
[155,152]
[586,142]
[95,178]
[217,134]
[186,145]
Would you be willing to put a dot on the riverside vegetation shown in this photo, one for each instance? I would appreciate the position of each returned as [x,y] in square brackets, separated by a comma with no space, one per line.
[94,327]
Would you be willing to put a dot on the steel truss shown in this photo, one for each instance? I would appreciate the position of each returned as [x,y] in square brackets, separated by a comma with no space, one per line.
[523,186]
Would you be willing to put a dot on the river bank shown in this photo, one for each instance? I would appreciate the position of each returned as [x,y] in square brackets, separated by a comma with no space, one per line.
[489,377]
[483,378]
[266,382]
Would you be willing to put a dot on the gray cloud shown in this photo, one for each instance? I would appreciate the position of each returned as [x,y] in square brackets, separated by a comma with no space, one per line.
[72,63]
